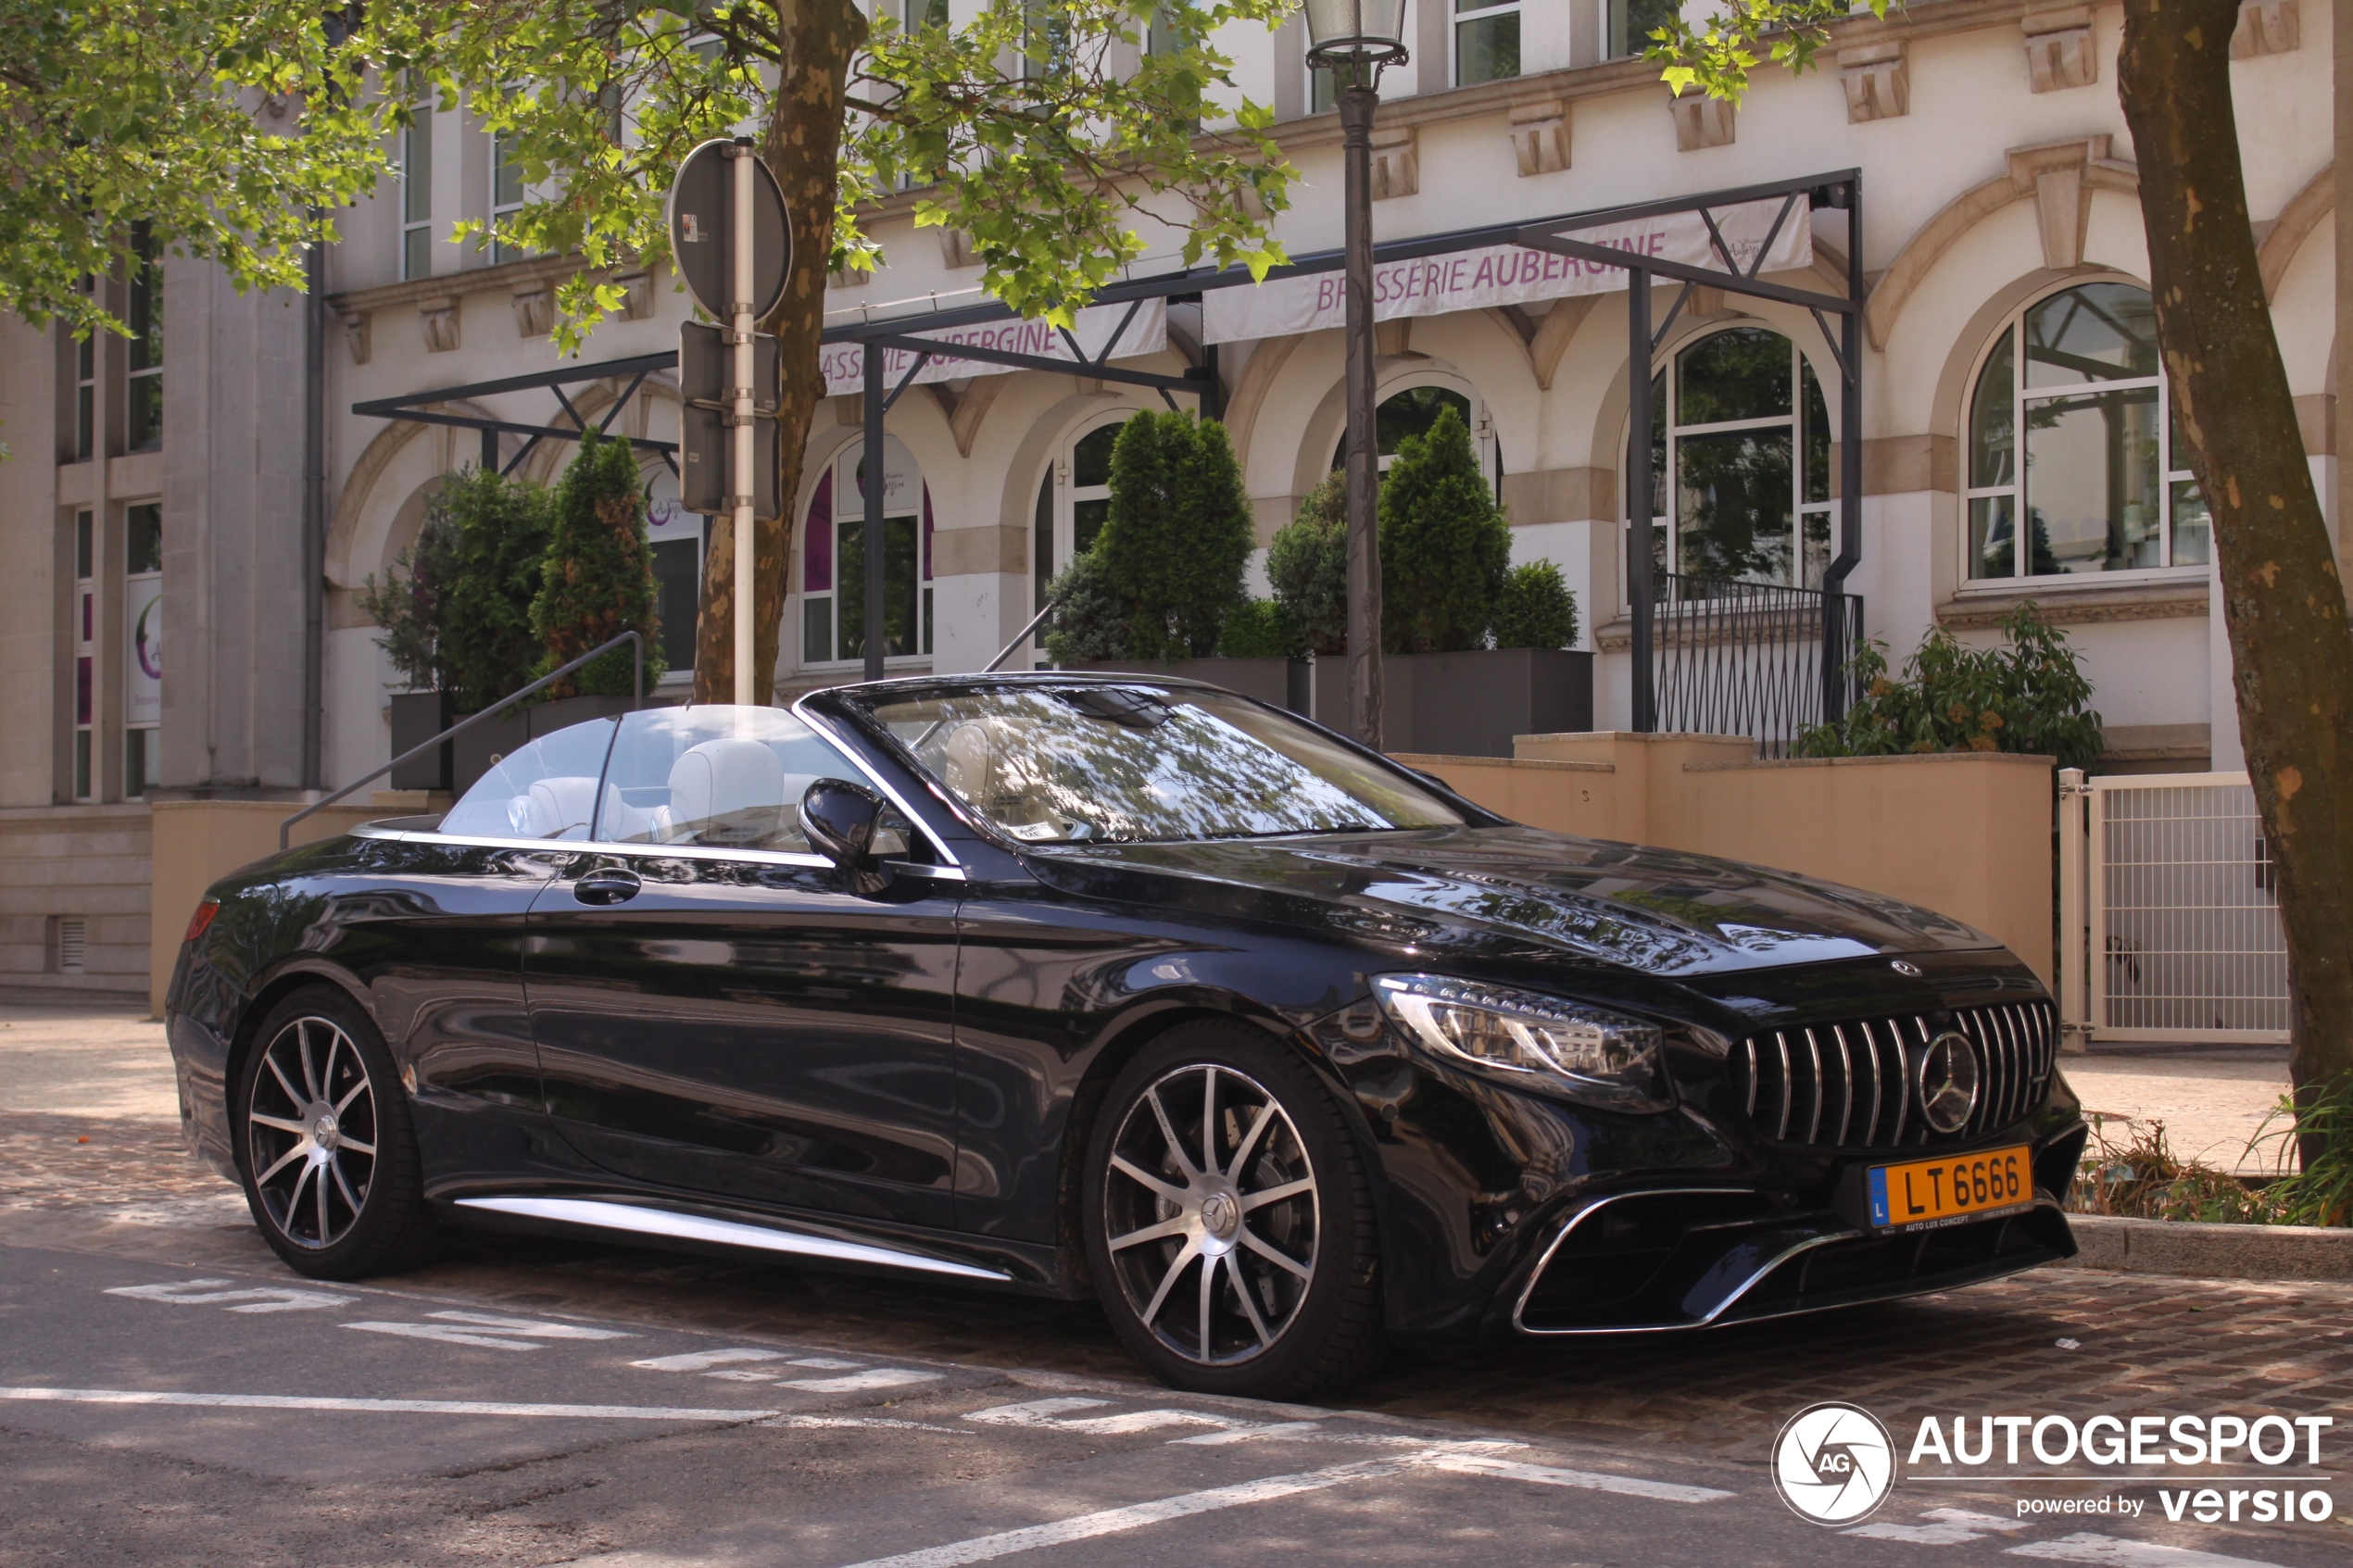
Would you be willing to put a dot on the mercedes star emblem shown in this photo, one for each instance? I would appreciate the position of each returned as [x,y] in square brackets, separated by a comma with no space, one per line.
[1948,1082]
[1901,967]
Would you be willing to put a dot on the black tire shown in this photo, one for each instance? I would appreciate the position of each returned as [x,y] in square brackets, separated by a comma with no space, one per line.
[1241,1197]
[325,1144]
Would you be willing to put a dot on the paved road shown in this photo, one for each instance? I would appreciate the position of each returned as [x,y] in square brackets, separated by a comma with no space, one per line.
[168,1394]
[154,1413]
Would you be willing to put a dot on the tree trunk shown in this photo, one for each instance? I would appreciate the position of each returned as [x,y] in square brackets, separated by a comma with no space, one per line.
[2284,600]
[802,149]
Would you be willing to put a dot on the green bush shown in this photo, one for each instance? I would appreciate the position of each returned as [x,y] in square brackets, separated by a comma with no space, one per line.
[456,608]
[598,579]
[1307,566]
[1171,555]
[1445,544]
[1090,620]
[1536,608]
[2029,698]
[407,607]
[1261,629]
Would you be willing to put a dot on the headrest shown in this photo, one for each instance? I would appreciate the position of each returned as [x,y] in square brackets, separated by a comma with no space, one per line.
[553,807]
[723,776]
[967,761]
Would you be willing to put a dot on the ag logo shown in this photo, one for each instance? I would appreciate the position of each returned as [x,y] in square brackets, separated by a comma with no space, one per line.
[1833,1464]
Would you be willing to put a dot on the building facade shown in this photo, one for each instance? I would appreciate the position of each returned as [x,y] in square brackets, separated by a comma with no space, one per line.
[2016,438]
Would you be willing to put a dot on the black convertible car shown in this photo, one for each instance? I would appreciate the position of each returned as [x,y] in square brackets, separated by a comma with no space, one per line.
[1069,983]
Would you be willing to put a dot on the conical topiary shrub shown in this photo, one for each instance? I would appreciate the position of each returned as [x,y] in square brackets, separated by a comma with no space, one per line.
[1307,566]
[598,579]
[1445,544]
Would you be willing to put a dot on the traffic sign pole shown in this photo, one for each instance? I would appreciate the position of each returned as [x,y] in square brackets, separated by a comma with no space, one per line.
[740,478]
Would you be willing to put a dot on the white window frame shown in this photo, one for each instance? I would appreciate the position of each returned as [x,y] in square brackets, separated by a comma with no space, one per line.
[1668,517]
[1067,494]
[2169,475]
[1457,17]
[845,471]
[416,151]
[151,731]
[87,666]
[1608,50]
[500,250]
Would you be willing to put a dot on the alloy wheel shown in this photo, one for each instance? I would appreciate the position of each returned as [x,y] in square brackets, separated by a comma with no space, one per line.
[311,1134]
[1211,1214]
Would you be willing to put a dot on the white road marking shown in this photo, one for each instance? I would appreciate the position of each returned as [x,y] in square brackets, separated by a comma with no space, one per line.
[534,1328]
[1951,1527]
[1589,1480]
[857,1382]
[257,1298]
[826,1363]
[1048,1413]
[866,1421]
[736,1375]
[1470,1459]
[699,1360]
[1112,1521]
[446,1334]
[416,1406]
[2111,1551]
[1252,1434]
[488,1332]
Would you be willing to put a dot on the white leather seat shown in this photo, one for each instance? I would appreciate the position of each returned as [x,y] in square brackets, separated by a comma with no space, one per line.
[722,779]
[552,807]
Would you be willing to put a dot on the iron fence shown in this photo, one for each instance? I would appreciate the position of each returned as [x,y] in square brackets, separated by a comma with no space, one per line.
[1730,657]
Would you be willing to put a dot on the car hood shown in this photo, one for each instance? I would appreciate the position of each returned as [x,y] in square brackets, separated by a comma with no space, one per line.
[1657,911]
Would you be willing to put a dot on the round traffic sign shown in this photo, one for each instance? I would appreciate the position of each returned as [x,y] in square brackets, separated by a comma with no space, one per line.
[702,230]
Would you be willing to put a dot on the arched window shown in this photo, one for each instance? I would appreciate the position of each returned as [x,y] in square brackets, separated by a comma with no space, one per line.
[677,538]
[833,573]
[1073,500]
[2105,483]
[1411,412]
[1741,426]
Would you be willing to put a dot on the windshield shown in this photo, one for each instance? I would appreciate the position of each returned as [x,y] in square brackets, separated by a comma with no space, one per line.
[1086,764]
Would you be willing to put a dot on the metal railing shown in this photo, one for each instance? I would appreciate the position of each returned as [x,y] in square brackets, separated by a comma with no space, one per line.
[636,699]
[1730,657]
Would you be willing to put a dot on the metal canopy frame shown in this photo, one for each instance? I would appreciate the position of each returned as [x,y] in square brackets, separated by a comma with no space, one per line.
[417,407]
[1841,189]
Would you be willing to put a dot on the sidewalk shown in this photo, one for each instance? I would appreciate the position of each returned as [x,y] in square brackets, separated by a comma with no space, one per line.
[2211,1103]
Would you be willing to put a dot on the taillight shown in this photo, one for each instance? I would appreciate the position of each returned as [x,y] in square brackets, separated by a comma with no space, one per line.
[201,919]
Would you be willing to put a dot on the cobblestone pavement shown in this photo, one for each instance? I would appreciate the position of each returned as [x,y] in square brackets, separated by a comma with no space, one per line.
[2057,1341]
[2213,1103]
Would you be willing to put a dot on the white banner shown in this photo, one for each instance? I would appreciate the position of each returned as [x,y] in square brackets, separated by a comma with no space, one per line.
[143,638]
[844,364]
[1506,274]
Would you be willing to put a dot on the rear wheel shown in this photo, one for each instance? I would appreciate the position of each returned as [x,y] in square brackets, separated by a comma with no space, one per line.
[324,1142]
[1230,1220]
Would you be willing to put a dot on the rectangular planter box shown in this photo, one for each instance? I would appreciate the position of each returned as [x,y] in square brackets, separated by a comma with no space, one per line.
[1282,682]
[417,717]
[1467,704]
[479,749]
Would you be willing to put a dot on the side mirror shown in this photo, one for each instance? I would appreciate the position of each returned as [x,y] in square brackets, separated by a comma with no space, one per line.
[840,818]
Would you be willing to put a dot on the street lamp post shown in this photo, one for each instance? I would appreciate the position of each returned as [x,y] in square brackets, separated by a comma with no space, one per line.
[1353,39]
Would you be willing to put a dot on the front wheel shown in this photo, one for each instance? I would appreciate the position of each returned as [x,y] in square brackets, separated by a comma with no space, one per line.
[1230,1220]
[324,1142]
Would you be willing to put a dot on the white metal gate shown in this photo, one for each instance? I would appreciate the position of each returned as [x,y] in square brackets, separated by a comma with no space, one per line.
[2169,913]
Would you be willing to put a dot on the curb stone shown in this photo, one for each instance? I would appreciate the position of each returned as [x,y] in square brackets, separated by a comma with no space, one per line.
[2198,1250]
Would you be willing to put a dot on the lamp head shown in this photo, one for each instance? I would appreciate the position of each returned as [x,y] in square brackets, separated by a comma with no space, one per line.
[1348,36]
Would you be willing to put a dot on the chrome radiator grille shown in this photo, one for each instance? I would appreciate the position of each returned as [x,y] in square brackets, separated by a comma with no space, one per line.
[1850,1086]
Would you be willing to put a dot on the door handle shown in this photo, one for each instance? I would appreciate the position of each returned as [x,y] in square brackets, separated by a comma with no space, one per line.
[606,884]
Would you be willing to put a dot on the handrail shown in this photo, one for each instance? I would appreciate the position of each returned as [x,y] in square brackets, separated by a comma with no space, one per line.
[637,699]
[1007,652]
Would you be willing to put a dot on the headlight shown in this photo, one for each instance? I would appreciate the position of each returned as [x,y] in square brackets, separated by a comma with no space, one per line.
[1572,1048]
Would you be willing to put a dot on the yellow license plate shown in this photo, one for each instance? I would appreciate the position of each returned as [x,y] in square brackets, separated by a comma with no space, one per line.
[1921,1194]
